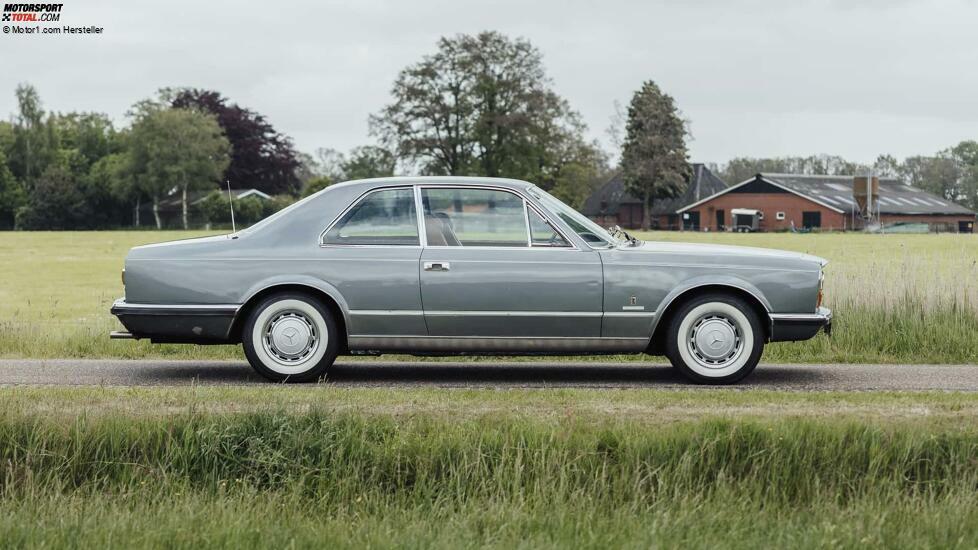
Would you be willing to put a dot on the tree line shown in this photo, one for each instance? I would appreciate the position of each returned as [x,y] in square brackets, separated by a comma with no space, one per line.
[479,105]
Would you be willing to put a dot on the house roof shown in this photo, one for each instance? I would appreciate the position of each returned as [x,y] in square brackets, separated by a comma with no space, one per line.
[610,196]
[835,193]
[193,197]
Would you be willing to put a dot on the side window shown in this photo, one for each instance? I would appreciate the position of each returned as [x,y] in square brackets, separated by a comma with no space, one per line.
[542,233]
[384,218]
[473,217]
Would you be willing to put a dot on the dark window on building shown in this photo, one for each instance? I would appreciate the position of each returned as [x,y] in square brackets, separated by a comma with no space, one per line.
[721,220]
[966,226]
[810,220]
[691,221]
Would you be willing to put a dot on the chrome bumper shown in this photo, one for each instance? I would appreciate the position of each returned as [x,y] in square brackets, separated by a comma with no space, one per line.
[786,327]
[175,323]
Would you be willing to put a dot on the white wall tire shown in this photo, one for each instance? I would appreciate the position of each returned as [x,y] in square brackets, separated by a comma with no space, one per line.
[290,337]
[715,339]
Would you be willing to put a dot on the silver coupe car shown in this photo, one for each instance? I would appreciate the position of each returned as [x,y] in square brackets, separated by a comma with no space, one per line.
[450,265]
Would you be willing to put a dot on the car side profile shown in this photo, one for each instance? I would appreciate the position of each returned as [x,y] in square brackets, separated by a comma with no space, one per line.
[451,265]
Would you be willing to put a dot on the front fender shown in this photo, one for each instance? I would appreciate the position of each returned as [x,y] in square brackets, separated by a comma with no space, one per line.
[691,285]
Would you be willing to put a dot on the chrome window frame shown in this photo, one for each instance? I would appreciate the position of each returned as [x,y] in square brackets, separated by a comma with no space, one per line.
[529,230]
[526,203]
[363,196]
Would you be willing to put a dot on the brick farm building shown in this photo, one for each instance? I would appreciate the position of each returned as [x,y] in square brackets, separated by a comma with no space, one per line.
[779,202]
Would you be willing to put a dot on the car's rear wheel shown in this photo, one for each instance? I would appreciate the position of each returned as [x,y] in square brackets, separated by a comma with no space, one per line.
[290,337]
[715,339]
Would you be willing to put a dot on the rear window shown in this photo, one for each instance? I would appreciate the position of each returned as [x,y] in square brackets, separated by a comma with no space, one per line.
[382,218]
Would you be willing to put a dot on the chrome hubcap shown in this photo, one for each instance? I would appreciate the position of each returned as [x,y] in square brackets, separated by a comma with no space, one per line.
[290,337]
[715,340]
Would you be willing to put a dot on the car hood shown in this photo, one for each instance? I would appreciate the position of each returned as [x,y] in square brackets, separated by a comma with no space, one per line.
[726,253]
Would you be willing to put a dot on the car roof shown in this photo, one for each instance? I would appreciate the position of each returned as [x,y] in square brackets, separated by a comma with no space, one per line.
[435,180]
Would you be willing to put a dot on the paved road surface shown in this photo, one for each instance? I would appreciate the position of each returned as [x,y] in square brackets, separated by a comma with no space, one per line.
[76,372]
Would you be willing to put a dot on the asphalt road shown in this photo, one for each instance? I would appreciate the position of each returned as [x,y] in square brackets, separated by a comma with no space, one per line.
[550,374]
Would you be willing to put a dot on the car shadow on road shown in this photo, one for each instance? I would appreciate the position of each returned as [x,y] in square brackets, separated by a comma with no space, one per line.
[484,374]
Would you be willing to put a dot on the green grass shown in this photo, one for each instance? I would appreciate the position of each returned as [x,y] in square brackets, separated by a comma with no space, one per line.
[897,298]
[330,467]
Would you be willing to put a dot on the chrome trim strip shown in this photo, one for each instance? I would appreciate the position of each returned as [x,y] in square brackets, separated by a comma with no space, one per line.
[377,312]
[710,266]
[463,313]
[627,314]
[823,314]
[588,314]
[233,308]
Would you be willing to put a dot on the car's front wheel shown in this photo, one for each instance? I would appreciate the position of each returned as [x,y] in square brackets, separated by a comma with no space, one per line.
[290,337]
[715,339]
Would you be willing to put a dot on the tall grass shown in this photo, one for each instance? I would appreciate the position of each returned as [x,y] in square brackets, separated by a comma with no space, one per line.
[897,298]
[422,461]
[497,480]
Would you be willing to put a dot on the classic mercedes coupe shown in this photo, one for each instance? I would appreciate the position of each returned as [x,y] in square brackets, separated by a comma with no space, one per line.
[449,265]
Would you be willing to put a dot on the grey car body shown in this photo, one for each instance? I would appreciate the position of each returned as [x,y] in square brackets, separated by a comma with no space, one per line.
[586,297]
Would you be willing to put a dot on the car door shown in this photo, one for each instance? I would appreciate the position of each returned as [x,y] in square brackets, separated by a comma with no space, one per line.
[370,254]
[482,275]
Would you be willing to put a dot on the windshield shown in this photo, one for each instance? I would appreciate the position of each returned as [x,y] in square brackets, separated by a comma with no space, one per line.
[592,233]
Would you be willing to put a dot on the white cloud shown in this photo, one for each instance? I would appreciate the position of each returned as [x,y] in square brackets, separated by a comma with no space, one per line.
[759,77]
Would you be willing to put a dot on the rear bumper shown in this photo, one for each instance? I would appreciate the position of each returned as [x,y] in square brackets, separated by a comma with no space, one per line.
[177,323]
[787,327]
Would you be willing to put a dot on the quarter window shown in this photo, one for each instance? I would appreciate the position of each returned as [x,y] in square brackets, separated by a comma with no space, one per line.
[474,217]
[382,218]
[542,233]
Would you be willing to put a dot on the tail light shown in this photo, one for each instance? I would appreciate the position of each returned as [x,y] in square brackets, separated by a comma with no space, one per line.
[821,283]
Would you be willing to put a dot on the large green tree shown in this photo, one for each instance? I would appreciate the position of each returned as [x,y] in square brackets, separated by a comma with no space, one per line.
[261,157]
[743,168]
[56,201]
[35,142]
[368,161]
[178,149]
[653,158]
[480,105]
[12,195]
[91,134]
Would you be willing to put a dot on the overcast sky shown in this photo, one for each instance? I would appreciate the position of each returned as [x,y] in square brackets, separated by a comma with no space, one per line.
[758,78]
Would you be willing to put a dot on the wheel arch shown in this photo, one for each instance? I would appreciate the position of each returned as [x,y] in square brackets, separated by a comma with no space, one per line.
[328,296]
[678,297]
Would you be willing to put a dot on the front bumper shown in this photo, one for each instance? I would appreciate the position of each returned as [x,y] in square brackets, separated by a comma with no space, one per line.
[786,327]
[176,323]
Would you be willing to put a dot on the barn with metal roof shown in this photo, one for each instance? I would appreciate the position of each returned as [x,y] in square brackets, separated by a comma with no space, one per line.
[795,201]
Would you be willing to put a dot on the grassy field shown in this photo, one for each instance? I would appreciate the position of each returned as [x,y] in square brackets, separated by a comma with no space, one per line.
[897,298]
[328,467]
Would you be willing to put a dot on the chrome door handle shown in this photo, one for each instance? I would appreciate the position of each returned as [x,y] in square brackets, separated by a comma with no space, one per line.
[437,266]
